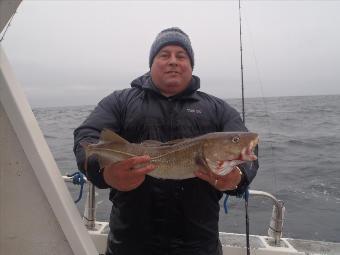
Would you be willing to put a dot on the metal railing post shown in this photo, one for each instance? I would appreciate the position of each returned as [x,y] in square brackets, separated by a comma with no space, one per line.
[90,208]
[275,229]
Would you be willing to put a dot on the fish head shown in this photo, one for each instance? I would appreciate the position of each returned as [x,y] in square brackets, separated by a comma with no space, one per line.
[224,150]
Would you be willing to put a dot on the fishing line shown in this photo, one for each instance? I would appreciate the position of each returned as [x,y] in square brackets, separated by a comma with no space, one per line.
[265,104]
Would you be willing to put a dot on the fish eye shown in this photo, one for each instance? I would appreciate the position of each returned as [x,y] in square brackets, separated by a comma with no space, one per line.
[235,139]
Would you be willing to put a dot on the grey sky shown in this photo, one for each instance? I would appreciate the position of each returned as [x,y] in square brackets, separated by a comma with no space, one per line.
[76,52]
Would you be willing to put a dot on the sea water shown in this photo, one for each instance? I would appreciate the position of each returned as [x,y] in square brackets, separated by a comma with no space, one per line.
[299,159]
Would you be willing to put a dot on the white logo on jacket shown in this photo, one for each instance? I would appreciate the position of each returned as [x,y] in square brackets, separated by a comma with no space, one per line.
[194,110]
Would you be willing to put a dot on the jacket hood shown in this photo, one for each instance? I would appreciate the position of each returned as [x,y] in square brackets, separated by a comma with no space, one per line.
[145,82]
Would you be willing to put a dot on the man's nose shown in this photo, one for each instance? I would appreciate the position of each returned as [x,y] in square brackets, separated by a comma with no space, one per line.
[173,59]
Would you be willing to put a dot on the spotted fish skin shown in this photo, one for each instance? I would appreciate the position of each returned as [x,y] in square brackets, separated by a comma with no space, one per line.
[218,152]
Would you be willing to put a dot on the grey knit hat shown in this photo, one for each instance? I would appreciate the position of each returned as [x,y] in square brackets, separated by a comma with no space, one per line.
[171,36]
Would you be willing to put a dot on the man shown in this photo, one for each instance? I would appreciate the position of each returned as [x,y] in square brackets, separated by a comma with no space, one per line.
[156,216]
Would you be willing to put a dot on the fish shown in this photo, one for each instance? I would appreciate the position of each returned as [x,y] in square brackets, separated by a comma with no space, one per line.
[218,152]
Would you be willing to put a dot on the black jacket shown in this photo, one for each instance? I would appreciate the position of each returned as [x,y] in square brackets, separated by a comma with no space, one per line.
[162,214]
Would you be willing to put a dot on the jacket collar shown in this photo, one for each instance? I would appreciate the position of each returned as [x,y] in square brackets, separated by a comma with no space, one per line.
[145,82]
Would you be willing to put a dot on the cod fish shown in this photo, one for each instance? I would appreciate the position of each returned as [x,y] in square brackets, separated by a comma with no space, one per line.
[218,152]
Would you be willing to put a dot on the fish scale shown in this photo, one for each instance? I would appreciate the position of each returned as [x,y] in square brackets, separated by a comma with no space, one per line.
[181,160]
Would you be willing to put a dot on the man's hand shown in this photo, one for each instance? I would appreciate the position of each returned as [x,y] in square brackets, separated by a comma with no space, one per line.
[221,182]
[128,174]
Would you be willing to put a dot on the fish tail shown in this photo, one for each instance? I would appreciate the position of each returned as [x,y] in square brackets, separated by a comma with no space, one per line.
[85,145]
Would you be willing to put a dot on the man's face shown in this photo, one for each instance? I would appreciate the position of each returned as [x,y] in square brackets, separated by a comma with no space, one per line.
[171,70]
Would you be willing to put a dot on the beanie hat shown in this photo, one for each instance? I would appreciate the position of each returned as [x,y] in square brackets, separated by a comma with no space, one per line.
[171,36]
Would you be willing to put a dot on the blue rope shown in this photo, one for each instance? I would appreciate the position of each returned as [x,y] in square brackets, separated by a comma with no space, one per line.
[225,203]
[78,179]
[245,195]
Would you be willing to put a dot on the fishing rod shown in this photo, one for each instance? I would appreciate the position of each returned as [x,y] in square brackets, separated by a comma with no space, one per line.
[246,195]
[241,56]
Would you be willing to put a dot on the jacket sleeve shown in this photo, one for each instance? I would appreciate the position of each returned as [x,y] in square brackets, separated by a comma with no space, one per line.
[107,114]
[231,121]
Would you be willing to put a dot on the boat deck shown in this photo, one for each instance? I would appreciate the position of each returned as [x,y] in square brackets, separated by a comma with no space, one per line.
[235,244]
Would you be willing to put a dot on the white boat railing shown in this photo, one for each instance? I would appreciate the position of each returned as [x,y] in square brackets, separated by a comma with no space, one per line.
[275,226]
[89,216]
[276,222]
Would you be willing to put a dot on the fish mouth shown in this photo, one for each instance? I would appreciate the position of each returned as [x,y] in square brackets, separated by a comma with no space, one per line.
[247,154]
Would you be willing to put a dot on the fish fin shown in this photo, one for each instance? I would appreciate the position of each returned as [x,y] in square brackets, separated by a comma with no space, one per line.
[85,145]
[200,161]
[108,135]
[103,162]
[222,167]
[173,142]
[117,156]
[151,143]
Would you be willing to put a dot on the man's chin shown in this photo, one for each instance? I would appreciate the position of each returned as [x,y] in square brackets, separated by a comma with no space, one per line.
[173,89]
